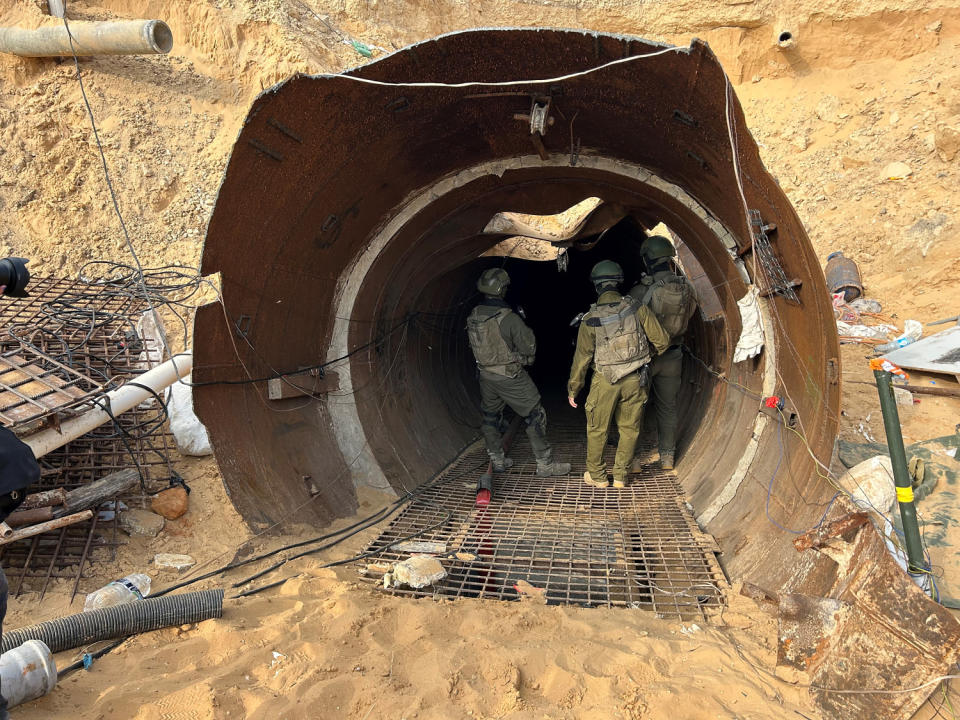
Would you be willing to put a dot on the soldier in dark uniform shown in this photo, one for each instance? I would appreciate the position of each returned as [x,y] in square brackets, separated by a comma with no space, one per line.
[672,299]
[18,469]
[503,345]
[616,336]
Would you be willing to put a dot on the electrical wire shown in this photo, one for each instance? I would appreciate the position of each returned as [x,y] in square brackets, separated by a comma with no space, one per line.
[511,83]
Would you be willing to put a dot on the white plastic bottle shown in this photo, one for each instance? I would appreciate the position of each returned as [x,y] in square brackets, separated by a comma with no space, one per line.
[125,590]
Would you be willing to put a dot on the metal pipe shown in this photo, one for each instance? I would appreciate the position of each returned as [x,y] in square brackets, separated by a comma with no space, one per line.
[901,477]
[111,37]
[119,401]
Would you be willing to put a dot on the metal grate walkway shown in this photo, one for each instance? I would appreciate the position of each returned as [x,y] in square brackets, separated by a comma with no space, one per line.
[637,547]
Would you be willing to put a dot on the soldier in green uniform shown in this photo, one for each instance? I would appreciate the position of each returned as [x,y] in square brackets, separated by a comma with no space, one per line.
[615,336]
[502,345]
[672,299]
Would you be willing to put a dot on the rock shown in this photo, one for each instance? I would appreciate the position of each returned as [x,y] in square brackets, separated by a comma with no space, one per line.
[894,117]
[935,26]
[170,561]
[870,484]
[897,171]
[946,138]
[141,522]
[170,503]
[418,572]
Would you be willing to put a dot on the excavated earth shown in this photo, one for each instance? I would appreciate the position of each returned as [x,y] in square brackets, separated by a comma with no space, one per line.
[866,85]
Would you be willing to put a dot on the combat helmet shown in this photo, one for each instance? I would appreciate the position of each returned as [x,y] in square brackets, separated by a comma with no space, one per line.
[494,281]
[606,272]
[657,247]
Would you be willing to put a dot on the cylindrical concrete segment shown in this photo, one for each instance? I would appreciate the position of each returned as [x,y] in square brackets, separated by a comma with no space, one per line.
[110,37]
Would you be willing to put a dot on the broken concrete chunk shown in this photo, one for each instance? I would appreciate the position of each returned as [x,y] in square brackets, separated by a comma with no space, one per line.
[429,547]
[418,572]
[896,171]
[170,561]
[870,484]
[170,503]
[141,522]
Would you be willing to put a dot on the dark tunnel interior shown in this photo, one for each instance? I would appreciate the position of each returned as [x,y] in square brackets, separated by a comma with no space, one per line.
[551,299]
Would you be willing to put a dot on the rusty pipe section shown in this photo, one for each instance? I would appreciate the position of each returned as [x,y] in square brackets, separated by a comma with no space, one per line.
[109,37]
[349,232]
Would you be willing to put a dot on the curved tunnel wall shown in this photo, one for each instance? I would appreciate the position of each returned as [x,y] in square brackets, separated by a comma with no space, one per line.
[347,208]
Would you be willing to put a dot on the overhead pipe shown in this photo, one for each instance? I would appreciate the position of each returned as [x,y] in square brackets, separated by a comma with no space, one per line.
[119,401]
[110,37]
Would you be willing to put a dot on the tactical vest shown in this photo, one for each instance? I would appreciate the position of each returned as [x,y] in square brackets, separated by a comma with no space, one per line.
[489,348]
[671,299]
[621,344]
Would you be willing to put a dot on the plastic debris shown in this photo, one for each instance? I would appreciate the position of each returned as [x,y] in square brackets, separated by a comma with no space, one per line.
[751,337]
[912,331]
[188,431]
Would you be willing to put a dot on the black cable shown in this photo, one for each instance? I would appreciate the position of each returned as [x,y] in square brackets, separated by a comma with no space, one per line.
[372,519]
[301,370]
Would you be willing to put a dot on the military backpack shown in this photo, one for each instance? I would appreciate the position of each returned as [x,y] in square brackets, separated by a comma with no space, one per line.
[672,300]
[489,348]
[621,344]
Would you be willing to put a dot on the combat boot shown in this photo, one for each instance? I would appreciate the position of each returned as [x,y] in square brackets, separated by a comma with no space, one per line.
[500,462]
[551,468]
[588,479]
[666,460]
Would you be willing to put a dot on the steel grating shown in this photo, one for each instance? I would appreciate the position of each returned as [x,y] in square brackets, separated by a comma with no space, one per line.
[86,337]
[637,547]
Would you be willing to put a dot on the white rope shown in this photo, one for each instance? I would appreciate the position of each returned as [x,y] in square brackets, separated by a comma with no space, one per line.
[510,83]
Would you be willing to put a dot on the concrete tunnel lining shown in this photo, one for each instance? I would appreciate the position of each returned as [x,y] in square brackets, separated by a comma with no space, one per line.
[299,206]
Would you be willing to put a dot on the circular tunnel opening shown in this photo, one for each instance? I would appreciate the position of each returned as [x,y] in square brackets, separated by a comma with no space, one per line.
[426,270]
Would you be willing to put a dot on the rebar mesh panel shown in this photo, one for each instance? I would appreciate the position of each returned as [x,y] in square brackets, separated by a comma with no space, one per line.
[91,331]
[637,547]
[32,386]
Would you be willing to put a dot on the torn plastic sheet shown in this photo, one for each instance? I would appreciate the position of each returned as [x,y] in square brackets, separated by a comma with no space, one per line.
[751,337]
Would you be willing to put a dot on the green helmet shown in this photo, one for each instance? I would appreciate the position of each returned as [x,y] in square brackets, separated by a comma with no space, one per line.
[657,247]
[606,272]
[494,281]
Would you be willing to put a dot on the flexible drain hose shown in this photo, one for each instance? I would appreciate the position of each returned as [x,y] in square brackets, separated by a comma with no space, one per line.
[118,621]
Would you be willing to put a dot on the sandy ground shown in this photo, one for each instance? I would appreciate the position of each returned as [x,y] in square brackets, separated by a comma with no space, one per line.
[867,85]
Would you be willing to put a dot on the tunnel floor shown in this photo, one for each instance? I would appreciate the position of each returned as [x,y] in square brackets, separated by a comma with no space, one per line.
[636,548]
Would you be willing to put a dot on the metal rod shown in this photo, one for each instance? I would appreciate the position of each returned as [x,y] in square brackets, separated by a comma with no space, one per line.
[901,477]
[112,37]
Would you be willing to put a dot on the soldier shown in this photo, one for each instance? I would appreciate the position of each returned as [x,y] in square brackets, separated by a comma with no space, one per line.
[615,334]
[18,469]
[502,345]
[672,299]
